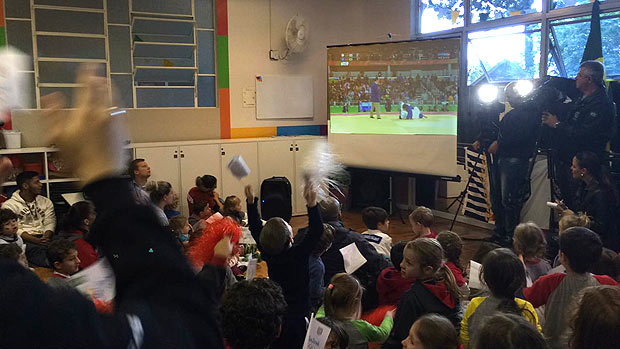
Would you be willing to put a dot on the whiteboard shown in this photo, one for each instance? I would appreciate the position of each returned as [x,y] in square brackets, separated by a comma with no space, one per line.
[284,97]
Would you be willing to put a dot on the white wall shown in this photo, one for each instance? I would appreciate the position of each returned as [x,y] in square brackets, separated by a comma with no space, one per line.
[331,22]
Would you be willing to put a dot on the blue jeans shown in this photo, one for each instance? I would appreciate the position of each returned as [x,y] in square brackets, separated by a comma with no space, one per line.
[513,188]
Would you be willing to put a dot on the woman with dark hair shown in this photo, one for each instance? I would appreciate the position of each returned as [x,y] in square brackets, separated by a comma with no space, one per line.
[597,197]
[205,192]
[76,226]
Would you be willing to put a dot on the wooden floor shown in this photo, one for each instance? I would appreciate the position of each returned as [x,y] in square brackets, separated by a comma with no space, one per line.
[471,235]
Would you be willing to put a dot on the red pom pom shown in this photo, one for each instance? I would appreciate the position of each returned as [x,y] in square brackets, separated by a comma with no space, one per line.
[201,250]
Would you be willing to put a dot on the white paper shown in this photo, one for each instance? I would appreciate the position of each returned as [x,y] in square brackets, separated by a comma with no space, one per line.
[14,88]
[352,258]
[96,281]
[474,275]
[72,198]
[317,335]
[251,272]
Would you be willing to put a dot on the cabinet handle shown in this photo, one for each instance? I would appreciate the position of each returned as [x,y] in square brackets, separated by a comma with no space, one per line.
[290,149]
[176,156]
[223,153]
[182,155]
[296,148]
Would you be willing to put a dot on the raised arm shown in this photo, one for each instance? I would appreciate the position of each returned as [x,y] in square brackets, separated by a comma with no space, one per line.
[254,220]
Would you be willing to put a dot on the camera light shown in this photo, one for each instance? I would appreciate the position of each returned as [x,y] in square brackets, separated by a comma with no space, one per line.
[487,93]
[524,87]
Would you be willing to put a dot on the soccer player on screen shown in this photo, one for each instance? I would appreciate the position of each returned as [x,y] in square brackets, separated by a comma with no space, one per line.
[375,99]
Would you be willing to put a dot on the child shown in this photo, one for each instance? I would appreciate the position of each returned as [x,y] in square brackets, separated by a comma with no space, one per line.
[180,228]
[596,321]
[13,252]
[609,265]
[338,337]
[452,247]
[504,275]
[434,291]
[76,226]
[287,263]
[391,284]
[316,268]
[232,208]
[62,255]
[509,331]
[570,220]
[421,220]
[529,242]
[252,313]
[377,222]
[432,331]
[343,302]
[8,234]
[580,248]
[201,212]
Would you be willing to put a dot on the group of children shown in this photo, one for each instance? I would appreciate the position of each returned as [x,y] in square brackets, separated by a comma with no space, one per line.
[423,296]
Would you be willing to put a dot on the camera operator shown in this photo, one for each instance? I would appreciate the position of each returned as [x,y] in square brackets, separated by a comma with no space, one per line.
[516,143]
[587,127]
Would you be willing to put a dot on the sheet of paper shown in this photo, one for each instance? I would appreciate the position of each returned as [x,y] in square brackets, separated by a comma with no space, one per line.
[251,272]
[96,281]
[352,258]
[317,335]
[72,198]
[474,275]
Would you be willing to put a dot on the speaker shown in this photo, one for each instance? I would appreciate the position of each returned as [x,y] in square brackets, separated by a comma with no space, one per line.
[276,199]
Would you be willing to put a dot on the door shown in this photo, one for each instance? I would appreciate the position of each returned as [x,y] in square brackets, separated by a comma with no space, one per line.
[304,150]
[164,163]
[198,160]
[230,184]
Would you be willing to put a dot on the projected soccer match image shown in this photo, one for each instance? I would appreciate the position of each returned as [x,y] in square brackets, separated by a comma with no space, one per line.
[394,88]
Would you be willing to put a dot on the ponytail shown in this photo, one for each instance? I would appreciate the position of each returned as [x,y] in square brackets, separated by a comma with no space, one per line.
[445,275]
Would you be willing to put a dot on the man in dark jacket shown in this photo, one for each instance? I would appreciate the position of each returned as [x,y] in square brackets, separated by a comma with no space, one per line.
[334,263]
[516,143]
[587,127]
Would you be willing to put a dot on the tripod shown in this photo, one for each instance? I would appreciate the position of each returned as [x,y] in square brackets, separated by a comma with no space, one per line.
[461,197]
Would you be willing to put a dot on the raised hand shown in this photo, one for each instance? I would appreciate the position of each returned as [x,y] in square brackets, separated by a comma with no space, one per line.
[310,192]
[249,194]
[87,136]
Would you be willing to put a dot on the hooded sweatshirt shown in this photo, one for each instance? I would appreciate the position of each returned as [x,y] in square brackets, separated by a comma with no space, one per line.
[34,217]
[422,298]
[391,286]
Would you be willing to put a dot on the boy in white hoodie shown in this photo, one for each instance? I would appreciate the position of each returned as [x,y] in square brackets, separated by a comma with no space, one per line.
[35,213]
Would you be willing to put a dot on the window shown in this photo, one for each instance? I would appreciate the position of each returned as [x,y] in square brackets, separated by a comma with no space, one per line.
[437,15]
[484,10]
[568,39]
[503,54]
[568,3]
[156,53]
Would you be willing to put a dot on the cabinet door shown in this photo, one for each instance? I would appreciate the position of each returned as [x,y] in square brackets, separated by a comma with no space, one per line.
[198,160]
[230,184]
[277,159]
[304,149]
[164,163]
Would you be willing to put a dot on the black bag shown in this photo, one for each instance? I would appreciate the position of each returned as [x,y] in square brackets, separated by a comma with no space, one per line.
[276,199]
